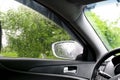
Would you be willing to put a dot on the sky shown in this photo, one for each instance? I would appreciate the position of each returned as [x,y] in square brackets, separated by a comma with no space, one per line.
[8,4]
[5,5]
[110,12]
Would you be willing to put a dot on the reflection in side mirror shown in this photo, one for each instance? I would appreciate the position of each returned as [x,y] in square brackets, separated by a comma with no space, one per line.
[67,49]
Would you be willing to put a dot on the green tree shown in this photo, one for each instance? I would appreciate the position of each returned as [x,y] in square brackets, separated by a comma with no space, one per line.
[108,31]
[30,34]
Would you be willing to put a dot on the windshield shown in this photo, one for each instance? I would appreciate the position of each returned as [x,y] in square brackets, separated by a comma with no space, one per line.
[105,19]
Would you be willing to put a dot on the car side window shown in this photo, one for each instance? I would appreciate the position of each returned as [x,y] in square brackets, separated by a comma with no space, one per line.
[27,33]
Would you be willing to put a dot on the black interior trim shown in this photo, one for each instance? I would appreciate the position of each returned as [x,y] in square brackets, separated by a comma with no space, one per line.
[12,74]
[83,68]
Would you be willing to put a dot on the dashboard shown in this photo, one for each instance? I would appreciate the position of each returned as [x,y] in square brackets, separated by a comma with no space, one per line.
[111,67]
[116,63]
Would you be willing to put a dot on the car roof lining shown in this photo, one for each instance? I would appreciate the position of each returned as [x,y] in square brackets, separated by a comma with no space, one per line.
[83,2]
[68,9]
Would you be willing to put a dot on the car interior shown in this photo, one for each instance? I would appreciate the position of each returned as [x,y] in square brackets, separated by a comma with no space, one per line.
[95,62]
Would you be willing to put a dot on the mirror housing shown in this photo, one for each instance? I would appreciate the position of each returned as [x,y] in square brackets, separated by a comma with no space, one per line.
[67,49]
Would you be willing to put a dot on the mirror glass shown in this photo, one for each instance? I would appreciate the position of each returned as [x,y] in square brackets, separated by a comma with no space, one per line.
[67,49]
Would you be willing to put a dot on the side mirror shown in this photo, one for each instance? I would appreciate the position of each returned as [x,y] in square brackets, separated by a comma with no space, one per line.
[67,49]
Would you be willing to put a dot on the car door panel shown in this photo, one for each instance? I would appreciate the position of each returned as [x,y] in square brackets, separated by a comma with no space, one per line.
[56,67]
[20,75]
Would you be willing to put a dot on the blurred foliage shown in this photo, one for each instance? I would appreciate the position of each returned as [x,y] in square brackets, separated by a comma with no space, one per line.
[108,31]
[30,34]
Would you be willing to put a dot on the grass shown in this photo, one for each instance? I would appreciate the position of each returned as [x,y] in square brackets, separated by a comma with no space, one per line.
[9,54]
[14,55]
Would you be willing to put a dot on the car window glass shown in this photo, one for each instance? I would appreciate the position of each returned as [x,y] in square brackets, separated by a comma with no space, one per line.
[27,33]
[105,19]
